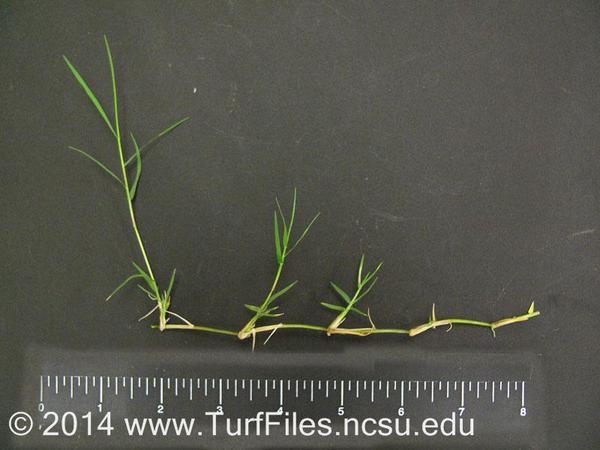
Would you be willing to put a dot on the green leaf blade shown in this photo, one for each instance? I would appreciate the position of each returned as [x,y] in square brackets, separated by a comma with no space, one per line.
[341,292]
[171,283]
[163,133]
[90,94]
[282,291]
[138,173]
[333,307]
[100,164]
[277,238]
[123,284]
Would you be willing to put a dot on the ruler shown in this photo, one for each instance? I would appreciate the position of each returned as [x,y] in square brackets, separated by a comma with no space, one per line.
[245,400]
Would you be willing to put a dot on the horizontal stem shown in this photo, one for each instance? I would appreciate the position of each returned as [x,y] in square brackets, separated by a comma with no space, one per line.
[197,328]
[289,326]
[362,332]
[491,325]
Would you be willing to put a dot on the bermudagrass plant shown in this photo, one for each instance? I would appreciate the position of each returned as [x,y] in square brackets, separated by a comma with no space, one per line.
[284,245]
[144,272]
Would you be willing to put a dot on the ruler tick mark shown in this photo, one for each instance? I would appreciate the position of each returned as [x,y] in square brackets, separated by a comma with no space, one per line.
[281,392]
[402,393]
[220,391]
[161,391]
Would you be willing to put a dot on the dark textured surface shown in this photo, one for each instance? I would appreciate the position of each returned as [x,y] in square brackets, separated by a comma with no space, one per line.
[457,142]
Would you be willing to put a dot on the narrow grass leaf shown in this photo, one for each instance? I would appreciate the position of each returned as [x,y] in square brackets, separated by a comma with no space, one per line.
[282,291]
[277,241]
[293,213]
[114,87]
[358,311]
[341,292]
[283,221]
[147,278]
[90,94]
[171,283]
[123,284]
[150,294]
[360,268]
[252,308]
[333,307]
[370,275]
[102,166]
[157,137]
[304,233]
[138,171]
[366,291]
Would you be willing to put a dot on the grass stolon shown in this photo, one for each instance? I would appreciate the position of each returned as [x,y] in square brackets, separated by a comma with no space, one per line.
[283,226]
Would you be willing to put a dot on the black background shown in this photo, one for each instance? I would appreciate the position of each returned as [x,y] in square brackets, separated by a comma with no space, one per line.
[457,142]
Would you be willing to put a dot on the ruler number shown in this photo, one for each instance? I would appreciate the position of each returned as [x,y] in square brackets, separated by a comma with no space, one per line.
[461,411]
[400,411]
[341,411]
[41,407]
[160,408]
[523,412]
